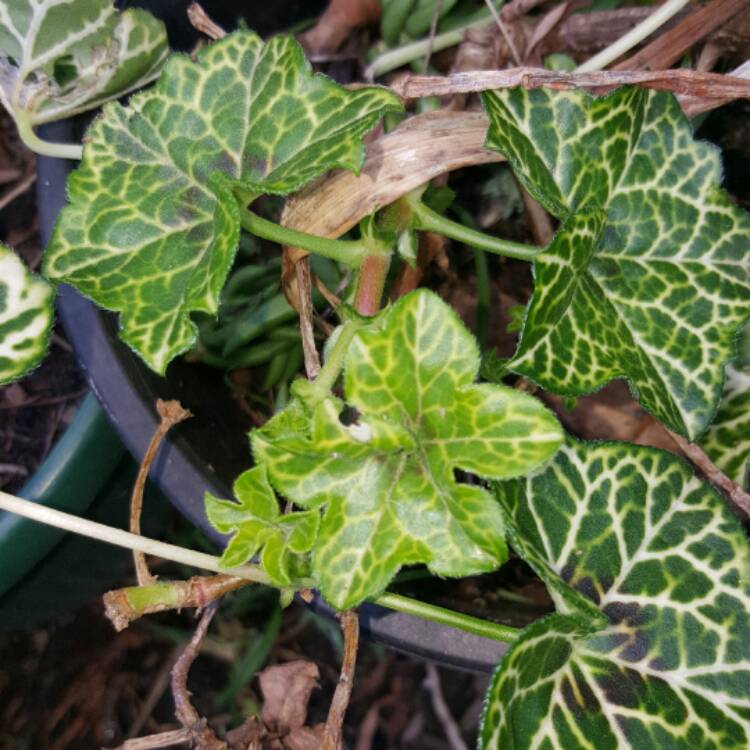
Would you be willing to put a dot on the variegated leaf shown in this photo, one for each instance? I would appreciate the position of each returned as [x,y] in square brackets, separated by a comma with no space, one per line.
[387,481]
[61,57]
[256,523]
[727,441]
[668,566]
[26,314]
[152,225]
[655,292]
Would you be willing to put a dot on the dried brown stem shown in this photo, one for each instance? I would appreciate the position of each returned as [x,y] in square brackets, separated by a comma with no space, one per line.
[171,413]
[739,498]
[157,688]
[154,741]
[670,46]
[539,221]
[123,606]
[695,105]
[500,23]
[18,189]
[304,287]
[340,701]
[431,38]
[440,707]
[204,23]
[689,82]
[517,8]
[201,735]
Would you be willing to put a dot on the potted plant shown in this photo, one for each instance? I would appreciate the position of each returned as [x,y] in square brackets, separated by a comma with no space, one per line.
[413,461]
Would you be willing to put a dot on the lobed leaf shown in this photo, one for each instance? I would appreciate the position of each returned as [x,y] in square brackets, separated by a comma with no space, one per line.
[59,58]
[255,522]
[668,566]
[152,225]
[26,314]
[656,287]
[387,480]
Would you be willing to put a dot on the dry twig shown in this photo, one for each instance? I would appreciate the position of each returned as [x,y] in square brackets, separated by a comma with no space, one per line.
[431,37]
[158,686]
[18,189]
[201,735]
[670,46]
[439,706]
[155,741]
[689,82]
[739,498]
[304,286]
[695,105]
[204,23]
[500,23]
[340,701]
[171,413]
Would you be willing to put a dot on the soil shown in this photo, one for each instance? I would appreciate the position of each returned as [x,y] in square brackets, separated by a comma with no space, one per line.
[74,684]
[36,410]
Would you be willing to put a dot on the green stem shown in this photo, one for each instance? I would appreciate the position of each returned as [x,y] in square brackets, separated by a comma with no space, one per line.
[350,252]
[454,619]
[431,221]
[322,385]
[253,573]
[400,56]
[46,148]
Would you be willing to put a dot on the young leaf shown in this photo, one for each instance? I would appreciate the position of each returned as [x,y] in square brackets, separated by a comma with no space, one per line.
[152,225]
[255,521]
[648,278]
[58,58]
[666,563]
[387,481]
[26,314]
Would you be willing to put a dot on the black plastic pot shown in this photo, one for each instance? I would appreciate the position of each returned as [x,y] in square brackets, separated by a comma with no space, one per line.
[208,451]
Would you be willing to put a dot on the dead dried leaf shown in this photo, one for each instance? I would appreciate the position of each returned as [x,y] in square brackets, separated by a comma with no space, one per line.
[286,691]
[337,22]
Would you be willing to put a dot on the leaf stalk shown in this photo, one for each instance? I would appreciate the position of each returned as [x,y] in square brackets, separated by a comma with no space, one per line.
[46,148]
[431,221]
[350,252]
[334,363]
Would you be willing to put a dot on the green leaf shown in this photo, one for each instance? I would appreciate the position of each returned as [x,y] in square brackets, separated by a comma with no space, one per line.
[26,314]
[256,522]
[152,226]
[59,58]
[727,441]
[667,565]
[648,277]
[387,480]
